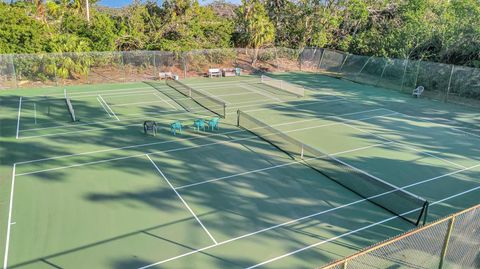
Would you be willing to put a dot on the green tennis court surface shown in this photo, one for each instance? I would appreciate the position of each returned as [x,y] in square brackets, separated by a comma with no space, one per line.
[98,193]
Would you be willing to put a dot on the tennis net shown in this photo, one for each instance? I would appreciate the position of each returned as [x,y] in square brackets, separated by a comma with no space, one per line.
[283,86]
[207,101]
[398,201]
[68,103]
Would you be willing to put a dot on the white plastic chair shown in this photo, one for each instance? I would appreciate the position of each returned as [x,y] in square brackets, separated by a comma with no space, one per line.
[418,91]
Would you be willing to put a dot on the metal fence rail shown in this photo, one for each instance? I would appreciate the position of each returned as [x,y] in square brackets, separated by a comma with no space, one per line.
[452,242]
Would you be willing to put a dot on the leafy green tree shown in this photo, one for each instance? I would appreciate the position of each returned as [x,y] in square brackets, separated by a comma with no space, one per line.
[256,28]
[19,31]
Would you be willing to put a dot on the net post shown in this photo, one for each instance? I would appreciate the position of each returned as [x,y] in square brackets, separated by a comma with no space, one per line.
[238,117]
[425,213]
[446,241]
[301,152]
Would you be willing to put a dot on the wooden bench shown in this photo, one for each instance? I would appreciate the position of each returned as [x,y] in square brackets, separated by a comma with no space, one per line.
[214,72]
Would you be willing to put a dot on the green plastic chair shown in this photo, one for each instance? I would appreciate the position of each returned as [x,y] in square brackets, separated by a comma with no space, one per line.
[199,124]
[213,123]
[176,126]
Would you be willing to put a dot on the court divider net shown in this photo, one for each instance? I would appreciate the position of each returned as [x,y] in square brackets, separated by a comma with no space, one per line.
[209,102]
[283,86]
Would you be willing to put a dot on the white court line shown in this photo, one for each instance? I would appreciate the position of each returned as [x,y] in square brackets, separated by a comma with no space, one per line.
[310,216]
[114,93]
[104,107]
[437,123]
[260,92]
[163,100]
[113,113]
[195,138]
[9,223]
[171,150]
[18,117]
[143,114]
[356,230]
[88,93]
[276,166]
[183,201]
[181,112]
[35,112]
[400,143]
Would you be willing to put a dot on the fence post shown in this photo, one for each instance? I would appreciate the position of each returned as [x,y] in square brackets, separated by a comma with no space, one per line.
[345,265]
[14,71]
[449,83]
[445,243]
[124,67]
[154,64]
[418,71]
[343,63]
[321,59]
[184,64]
[404,74]
[383,71]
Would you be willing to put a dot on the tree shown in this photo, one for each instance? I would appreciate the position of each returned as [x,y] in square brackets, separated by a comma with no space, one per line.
[20,32]
[256,28]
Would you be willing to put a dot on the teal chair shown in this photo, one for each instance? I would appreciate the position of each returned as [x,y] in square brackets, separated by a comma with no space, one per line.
[199,124]
[176,126]
[213,123]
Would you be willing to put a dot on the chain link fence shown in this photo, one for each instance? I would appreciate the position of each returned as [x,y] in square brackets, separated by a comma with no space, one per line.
[453,242]
[445,82]
[449,83]
[57,69]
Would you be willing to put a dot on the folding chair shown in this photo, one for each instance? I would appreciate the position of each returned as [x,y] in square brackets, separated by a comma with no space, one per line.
[213,123]
[149,125]
[199,123]
[177,125]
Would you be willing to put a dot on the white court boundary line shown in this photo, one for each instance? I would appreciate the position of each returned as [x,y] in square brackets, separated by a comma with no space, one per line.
[9,224]
[18,116]
[113,113]
[172,150]
[163,100]
[437,123]
[357,230]
[313,215]
[153,90]
[143,114]
[261,93]
[277,166]
[399,143]
[108,113]
[180,197]
[252,103]
[35,112]
[175,149]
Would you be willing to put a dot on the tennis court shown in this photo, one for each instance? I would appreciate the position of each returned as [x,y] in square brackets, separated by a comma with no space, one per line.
[287,181]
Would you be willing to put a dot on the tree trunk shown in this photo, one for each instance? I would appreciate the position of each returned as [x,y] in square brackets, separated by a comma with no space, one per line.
[255,55]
